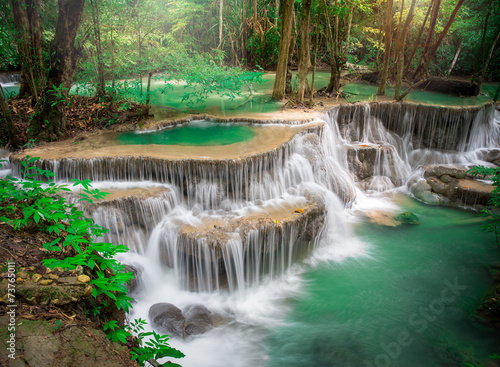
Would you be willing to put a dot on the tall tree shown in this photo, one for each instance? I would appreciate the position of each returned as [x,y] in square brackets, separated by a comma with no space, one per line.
[427,58]
[400,48]
[28,40]
[304,49]
[284,48]
[96,19]
[387,51]
[11,129]
[49,121]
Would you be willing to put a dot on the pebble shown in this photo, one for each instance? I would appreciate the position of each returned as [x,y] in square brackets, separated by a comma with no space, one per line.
[22,274]
[19,280]
[36,277]
[53,276]
[46,281]
[83,278]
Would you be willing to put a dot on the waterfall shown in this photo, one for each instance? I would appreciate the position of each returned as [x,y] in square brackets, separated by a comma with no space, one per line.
[10,79]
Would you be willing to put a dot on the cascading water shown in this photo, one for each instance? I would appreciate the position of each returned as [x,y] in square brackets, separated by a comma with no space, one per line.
[235,235]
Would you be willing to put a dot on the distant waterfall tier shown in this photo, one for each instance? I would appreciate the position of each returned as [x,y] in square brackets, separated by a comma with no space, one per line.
[432,127]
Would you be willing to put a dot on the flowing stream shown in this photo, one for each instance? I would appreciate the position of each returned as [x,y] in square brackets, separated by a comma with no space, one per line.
[328,288]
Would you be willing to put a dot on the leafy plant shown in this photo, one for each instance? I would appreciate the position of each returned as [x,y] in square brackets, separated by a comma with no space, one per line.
[30,202]
[492,211]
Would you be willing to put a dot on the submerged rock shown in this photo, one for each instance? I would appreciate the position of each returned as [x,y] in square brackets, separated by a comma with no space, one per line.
[407,218]
[171,320]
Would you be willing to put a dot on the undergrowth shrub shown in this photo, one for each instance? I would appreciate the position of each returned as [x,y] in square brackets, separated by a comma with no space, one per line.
[30,203]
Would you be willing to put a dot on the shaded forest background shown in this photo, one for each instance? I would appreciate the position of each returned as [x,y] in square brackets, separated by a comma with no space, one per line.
[108,46]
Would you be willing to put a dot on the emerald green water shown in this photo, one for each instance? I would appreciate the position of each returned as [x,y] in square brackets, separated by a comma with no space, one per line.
[198,133]
[367,92]
[409,303]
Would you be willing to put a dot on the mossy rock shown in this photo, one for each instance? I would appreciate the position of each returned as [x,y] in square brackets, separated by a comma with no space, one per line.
[407,218]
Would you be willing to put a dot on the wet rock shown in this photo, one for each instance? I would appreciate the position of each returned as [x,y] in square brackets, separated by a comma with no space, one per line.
[423,192]
[167,319]
[134,282]
[493,156]
[454,187]
[198,320]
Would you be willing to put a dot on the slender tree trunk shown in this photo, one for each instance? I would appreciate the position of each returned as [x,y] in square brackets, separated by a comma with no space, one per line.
[146,112]
[113,71]
[291,50]
[479,55]
[285,35]
[417,42]
[348,37]
[380,37]
[455,58]
[304,53]
[337,60]
[432,25]
[49,121]
[423,57]
[487,62]
[311,96]
[221,7]
[387,52]
[28,40]
[11,129]
[101,84]
[423,69]
[400,48]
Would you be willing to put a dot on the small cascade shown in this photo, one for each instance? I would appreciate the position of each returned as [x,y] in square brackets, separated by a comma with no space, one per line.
[387,142]
[10,79]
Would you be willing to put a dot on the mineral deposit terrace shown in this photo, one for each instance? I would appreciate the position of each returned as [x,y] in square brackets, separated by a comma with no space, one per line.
[267,137]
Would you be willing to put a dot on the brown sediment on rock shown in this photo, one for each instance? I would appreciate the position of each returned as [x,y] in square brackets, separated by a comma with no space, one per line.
[305,219]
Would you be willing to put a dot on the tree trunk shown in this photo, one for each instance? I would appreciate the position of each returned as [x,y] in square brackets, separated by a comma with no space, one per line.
[101,84]
[455,58]
[11,129]
[417,42]
[400,48]
[479,55]
[304,53]
[348,37]
[487,62]
[336,59]
[387,52]
[291,50]
[28,39]
[49,121]
[221,7]
[148,94]
[311,96]
[379,47]
[422,69]
[285,35]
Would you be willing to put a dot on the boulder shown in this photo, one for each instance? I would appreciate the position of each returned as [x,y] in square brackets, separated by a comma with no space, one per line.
[198,320]
[167,319]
